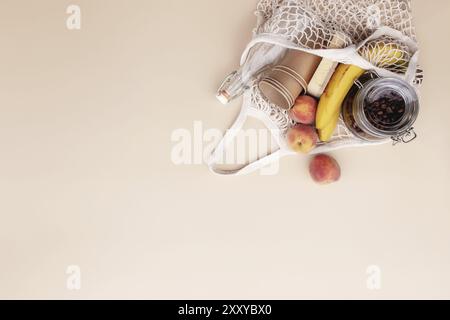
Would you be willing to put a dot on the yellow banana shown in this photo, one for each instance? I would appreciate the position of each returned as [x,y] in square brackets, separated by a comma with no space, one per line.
[337,89]
[326,133]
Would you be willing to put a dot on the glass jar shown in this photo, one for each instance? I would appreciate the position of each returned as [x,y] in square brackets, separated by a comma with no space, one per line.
[377,109]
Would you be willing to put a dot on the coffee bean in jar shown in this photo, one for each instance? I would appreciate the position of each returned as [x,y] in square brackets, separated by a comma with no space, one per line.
[384,108]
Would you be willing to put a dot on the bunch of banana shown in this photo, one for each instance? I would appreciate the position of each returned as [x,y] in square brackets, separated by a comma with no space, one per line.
[342,81]
[331,100]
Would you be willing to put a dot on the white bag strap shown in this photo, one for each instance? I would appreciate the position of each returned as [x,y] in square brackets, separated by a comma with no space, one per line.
[350,54]
[231,135]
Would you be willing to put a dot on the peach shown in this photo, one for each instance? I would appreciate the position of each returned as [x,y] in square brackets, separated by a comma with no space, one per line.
[324,169]
[302,138]
[304,110]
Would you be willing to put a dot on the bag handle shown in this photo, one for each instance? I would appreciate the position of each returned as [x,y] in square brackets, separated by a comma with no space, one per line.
[231,134]
[348,55]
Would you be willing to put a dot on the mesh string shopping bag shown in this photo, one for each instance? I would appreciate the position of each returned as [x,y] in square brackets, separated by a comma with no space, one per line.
[364,27]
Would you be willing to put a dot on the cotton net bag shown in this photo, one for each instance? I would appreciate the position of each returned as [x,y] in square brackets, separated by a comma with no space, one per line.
[363,26]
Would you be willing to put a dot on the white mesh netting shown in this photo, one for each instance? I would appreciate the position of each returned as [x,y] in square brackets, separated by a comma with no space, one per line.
[357,19]
[342,137]
[312,24]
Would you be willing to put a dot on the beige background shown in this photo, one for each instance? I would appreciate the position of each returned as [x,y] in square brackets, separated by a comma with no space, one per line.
[86,177]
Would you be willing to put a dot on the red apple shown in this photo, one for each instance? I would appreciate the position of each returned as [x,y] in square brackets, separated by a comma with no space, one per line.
[324,169]
[304,110]
[302,138]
